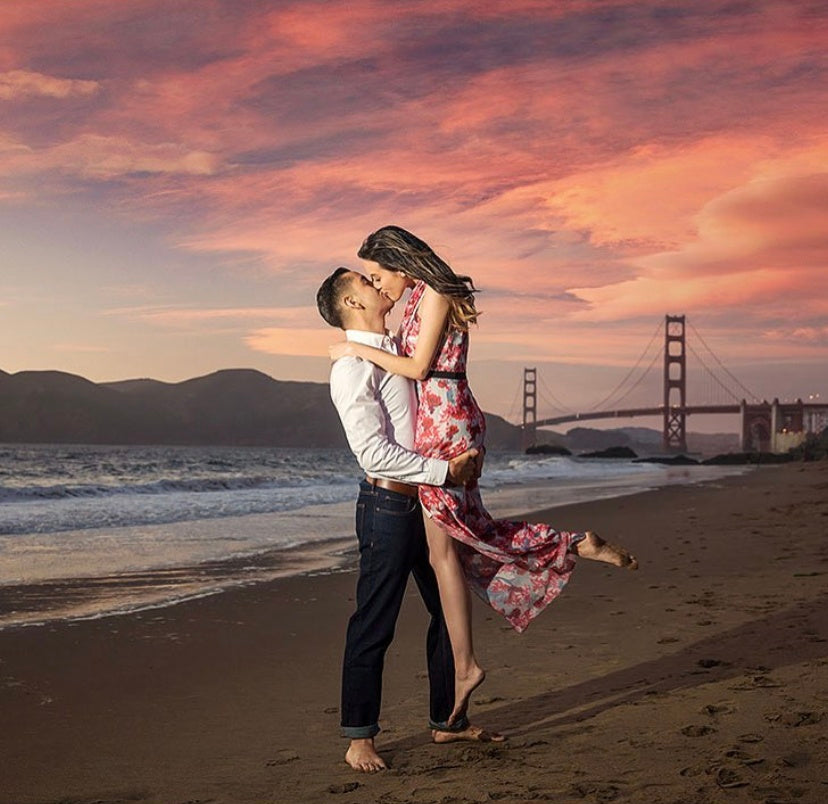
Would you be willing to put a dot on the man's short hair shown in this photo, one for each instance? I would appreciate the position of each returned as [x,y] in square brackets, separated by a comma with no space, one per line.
[329,297]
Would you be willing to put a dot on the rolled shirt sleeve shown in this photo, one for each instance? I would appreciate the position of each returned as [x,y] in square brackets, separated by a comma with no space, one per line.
[356,395]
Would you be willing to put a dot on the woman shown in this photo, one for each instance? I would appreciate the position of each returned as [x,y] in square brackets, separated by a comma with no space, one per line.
[516,567]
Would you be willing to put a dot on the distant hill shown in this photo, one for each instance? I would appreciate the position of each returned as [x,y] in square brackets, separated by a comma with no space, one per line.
[239,407]
[645,440]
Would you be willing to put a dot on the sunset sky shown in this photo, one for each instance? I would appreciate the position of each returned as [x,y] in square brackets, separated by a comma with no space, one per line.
[178,176]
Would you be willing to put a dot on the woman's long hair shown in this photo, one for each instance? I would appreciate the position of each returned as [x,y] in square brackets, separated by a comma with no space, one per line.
[398,250]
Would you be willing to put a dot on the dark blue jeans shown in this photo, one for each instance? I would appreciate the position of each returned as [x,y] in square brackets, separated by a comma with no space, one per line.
[392,545]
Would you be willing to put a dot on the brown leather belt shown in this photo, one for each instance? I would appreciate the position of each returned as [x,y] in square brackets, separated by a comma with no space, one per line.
[393,485]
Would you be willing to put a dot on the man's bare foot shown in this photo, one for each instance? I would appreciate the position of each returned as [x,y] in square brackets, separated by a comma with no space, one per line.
[597,549]
[362,756]
[474,734]
[463,688]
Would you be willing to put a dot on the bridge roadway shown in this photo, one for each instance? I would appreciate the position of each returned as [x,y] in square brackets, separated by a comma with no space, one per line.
[631,412]
[659,411]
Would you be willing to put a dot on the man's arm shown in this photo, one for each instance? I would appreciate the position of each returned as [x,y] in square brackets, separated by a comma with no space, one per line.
[354,395]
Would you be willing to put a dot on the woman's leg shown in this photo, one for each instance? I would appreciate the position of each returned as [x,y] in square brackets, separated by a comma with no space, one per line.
[455,599]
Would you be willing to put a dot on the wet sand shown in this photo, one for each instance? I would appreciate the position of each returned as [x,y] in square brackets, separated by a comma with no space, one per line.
[700,678]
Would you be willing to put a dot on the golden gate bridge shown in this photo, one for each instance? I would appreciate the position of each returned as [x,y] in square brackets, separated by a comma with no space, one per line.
[765,426]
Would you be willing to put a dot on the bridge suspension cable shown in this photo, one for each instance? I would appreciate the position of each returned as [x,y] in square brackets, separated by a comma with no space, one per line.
[712,374]
[632,371]
[656,356]
[548,396]
[724,368]
[511,416]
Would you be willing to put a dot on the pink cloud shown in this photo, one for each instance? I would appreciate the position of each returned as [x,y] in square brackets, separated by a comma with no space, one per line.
[799,335]
[23,83]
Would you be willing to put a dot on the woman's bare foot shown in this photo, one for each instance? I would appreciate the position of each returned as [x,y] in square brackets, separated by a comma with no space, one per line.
[362,756]
[464,686]
[592,546]
[474,734]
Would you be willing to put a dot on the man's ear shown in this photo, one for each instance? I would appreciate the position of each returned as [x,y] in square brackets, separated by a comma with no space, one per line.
[352,303]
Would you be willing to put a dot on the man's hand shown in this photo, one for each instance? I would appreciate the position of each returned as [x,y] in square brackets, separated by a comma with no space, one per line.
[462,468]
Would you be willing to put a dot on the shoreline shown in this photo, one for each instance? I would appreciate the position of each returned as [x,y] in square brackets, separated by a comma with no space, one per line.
[696,679]
[112,592]
[80,599]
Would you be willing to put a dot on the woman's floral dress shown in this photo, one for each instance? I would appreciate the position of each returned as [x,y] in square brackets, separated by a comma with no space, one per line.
[518,568]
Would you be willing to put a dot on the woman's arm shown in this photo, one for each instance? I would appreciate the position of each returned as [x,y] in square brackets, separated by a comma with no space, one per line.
[433,311]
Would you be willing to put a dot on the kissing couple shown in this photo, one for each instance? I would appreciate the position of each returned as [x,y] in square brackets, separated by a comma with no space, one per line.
[418,434]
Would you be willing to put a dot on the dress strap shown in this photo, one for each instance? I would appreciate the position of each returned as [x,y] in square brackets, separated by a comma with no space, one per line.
[417,295]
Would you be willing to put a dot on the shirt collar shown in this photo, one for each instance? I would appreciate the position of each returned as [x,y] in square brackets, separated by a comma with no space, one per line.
[377,339]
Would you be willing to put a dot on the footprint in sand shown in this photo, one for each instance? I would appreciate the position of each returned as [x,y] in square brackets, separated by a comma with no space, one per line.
[750,738]
[606,792]
[718,709]
[796,719]
[712,663]
[743,757]
[282,758]
[697,731]
[487,700]
[758,681]
[348,787]
[728,778]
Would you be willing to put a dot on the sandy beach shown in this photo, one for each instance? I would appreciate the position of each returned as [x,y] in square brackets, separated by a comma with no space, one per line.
[700,678]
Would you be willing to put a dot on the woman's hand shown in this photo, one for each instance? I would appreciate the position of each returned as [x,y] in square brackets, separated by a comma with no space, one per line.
[341,349]
[478,468]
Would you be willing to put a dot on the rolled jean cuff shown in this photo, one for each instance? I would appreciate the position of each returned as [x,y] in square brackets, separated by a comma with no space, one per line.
[460,725]
[360,732]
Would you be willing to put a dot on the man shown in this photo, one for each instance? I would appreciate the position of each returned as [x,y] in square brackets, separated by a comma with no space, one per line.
[378,411]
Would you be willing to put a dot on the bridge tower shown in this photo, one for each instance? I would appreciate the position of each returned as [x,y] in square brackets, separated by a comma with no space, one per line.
[674,437]
[530,406]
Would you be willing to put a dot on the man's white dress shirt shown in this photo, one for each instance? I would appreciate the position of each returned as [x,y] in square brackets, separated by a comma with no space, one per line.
[378,411]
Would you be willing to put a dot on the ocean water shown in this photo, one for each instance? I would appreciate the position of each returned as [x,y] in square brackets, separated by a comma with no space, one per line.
[122,528]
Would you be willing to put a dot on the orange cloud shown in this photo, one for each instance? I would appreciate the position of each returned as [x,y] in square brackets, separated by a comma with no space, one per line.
[98,157]
[172,316]
[293,341]
[23,83]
